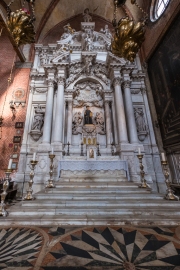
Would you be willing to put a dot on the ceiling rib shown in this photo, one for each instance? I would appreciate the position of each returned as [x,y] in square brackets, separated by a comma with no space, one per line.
[45,17]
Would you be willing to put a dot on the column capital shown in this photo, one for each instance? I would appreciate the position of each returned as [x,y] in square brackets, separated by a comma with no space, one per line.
[117,81]
[38,48]
[127,70]
[32,88]
[107,101]
[50,82]
[61,81]
[50,71]
[126,84]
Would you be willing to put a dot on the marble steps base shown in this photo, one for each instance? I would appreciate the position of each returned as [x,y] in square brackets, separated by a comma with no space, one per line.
[108,204]
[75,204]
[91,220]
[118,179]
[96,212]
[94,185]
[87,191]
[59,198]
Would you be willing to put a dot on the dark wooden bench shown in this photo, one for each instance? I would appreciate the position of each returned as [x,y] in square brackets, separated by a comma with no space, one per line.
[11,191]
[176,188]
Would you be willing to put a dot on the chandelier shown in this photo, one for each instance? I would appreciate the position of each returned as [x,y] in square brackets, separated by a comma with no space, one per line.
[129,35]
[20,23]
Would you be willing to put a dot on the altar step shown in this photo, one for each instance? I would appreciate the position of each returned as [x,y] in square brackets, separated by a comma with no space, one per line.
[88,203]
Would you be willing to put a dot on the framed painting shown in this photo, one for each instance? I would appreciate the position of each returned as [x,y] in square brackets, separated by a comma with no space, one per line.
[17,139]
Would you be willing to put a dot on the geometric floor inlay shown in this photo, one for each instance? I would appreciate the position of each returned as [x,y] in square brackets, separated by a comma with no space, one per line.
[116,249]
[18,248]
[85,248]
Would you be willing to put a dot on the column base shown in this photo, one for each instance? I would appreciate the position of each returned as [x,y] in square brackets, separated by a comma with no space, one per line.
[57,146]
[44,147]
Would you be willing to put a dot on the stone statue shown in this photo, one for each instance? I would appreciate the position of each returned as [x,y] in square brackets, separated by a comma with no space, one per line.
[86,16]
[87,116]
[67,31]
[43,58]
[98,71]
[88,65]
[38,119]
[89,42]
[99,120]
[139,118]
[106,31]
[77,123]
[91,153]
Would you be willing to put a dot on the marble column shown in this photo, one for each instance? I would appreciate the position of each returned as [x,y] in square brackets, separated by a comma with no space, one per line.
[108,123]
[48,112]
[69,121]
[120,114]
[131,124]
[59,117]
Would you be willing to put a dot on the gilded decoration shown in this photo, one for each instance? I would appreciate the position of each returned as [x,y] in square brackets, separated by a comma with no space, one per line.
[21,27]
[128,38]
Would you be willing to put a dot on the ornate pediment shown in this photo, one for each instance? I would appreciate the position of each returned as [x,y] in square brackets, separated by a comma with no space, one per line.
[85,40]
[61,57]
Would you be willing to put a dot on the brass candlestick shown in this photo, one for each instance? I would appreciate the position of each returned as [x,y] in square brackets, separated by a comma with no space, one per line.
[51,184]
[169,192]
[29,196]
[3,212]
[141,166]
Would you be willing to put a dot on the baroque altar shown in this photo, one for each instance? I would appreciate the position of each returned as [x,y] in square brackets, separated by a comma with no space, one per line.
[88,105]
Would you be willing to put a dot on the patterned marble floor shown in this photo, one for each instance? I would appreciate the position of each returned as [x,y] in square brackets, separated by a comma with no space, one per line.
[99,248]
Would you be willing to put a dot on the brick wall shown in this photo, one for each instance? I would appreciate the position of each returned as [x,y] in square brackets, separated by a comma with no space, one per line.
[20,79]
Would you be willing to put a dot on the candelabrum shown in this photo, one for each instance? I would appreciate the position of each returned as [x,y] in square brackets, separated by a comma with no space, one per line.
[3,212]
[169,192]
[141,166]
[50,181]
[98,150]
[29,196]
[82,154]
[68,144]
[112,149]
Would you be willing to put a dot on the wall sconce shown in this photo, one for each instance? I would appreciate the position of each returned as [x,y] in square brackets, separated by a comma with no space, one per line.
[1,121]
[13,109]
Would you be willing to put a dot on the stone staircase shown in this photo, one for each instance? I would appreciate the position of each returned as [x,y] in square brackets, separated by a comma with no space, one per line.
[94,202]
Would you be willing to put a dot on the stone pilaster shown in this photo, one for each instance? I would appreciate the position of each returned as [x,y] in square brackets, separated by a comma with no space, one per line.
[36,57]
[108,123]
[69,119]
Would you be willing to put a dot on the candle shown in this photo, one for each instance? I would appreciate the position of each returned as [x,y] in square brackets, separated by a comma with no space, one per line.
[34,156]
[52,151]
[10,164]
[163,157]
[139,151]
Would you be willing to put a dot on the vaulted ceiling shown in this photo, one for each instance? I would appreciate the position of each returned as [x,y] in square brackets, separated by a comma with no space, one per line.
[51,12]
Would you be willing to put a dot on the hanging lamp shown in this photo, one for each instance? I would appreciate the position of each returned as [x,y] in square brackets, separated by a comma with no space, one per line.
[129,35]
[20,23]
